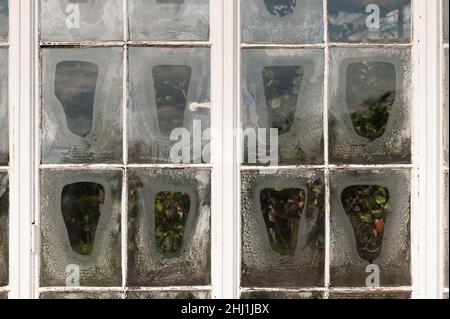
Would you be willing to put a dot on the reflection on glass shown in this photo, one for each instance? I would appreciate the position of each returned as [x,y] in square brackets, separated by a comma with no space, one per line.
[280,8]
[367,207]
[171,83]
[370,96]
[171,210]
[4,228]
[169,20]
[282,209]
[281,87]
[282,21]
[81,205]
[4,20]
[369,21]
[75,84]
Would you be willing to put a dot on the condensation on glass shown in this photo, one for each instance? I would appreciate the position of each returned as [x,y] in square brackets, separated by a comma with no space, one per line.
[80,228]
[169,102]
[162,251]
[169,20]
[282,21]
[82,105]
[369,21]
[81,20]
[172,294]
[81,295]
[283,90]
[4,229]
[370,225]
[283,229]
[4,113]
[370,106]
[370,295]
[265,295]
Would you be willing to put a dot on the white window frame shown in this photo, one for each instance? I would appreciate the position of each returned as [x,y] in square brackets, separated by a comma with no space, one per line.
[426,220]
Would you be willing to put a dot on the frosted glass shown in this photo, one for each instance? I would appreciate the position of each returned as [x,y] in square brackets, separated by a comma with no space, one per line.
[282,21]
[283,89]
[82,106]
[348,258]
[169,20]
[99,266]
[303,264]
[356,22]
[98,20]
[148,264]
[370,106]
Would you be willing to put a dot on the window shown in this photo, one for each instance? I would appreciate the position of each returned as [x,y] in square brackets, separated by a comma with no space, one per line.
[213,149]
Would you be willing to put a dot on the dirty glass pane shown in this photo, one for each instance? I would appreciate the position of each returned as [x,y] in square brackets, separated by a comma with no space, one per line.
[281,295]
[4,118]
[369,21]
[82,106]
[370,295]
[283,90]
[169,227]
[169,95]
[3,295]
[80,295]
[4,20]
[81,20]
[168,295]
[370,106]
[282,21]
[169,20]
[445,20]
[80,228]
[283,230]
[370,225]
[4,228]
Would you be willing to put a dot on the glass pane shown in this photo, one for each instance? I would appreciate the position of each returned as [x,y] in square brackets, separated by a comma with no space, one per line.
[370,225]
[82,106]
[3,295]
[169,94]
[446,230]
[369,21]
[282,21]
[169,227]
[80,228]
[370,103]
[4,228]
[4,20]
[263,295]
[4,119]
[80,295]
[81,20]
[283,230]
[370,295]
[168,295]
[283,89]
[169,20]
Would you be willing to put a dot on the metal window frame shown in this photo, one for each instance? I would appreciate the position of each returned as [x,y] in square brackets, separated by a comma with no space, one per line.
[426,240]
